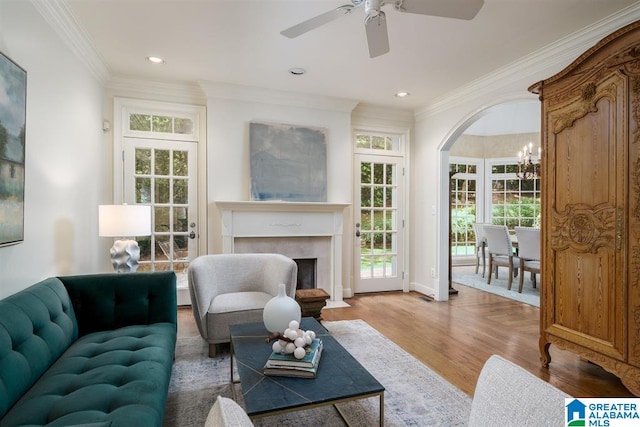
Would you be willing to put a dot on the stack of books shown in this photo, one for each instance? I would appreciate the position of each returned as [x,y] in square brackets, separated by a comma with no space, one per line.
[286,365]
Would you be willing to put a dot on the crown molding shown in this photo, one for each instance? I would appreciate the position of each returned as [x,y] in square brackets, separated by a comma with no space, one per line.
[367,114]
[268,96]
[180,92]
[59,17]
[555,55]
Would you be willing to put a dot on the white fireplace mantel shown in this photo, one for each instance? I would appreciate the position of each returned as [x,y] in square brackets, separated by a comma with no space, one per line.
[269,219]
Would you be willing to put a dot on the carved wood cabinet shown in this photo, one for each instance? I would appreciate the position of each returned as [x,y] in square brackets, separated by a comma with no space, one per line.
[590,292]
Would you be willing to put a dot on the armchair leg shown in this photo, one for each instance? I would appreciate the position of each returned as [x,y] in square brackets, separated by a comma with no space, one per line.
[212,350]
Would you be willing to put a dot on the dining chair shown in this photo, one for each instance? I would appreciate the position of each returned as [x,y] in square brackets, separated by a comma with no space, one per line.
[528,252]
[500,251]
[478,229]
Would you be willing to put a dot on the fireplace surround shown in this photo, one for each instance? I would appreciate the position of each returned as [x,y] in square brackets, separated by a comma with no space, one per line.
[296,229]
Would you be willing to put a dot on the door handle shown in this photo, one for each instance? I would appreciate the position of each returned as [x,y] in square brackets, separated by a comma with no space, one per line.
[192,235]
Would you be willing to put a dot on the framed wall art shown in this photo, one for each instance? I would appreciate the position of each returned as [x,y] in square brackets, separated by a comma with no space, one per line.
[288,162]
[13,108]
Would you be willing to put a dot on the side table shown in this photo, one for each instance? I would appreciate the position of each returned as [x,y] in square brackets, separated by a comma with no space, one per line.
[312,301]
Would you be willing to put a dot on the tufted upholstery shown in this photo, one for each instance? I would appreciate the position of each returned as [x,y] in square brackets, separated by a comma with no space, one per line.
[106,361]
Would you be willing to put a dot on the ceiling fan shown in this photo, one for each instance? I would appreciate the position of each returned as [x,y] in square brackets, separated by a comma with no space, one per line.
[375,21]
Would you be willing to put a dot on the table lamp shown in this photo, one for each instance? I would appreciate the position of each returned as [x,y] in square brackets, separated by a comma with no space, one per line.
[125,222]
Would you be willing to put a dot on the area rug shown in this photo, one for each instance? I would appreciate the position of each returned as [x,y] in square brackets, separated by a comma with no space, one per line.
[414,395]
[467,277]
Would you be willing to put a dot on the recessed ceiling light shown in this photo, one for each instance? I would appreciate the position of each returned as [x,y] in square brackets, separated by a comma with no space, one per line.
[155,60]
[297,71]
[402,94]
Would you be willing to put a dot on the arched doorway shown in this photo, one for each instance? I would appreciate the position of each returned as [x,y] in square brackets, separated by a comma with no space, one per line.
[474,157]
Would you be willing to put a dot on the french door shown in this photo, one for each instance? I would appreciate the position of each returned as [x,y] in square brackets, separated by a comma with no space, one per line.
[379,224]
[163,174]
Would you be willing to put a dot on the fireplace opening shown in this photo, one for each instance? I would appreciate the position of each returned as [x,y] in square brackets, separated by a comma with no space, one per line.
[306,273]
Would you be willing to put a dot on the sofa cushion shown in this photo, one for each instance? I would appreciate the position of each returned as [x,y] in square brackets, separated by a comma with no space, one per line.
[37,325]
[118,376]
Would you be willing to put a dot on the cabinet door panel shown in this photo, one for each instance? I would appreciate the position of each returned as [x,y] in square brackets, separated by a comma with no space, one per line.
[587,188]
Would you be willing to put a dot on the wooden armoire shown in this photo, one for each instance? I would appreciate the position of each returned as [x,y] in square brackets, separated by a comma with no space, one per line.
[590,292]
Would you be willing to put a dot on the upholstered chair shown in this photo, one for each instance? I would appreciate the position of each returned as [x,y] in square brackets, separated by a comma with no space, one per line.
[528,252]
[501,253]
[228,289]
[478,229]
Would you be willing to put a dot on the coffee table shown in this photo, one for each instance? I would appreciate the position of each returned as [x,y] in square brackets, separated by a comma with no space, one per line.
[340,377]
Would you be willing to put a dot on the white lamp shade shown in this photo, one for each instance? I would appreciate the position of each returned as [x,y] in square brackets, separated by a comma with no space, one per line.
[124,220]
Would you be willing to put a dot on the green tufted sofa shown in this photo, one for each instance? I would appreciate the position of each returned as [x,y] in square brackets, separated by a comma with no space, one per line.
[92,350]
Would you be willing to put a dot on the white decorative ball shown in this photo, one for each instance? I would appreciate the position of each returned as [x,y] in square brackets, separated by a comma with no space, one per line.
[299,352]
[294,325]
[307,339]
[277,347]
[300,332]
[283,343]
[300,342]
[292,334]
[312,335]
[290,348]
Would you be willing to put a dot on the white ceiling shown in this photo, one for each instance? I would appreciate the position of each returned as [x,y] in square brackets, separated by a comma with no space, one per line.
[239,42]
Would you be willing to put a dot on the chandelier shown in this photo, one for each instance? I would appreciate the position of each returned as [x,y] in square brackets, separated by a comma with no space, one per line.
[528,165]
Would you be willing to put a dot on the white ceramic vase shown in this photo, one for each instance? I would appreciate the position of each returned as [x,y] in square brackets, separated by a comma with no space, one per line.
[280,310]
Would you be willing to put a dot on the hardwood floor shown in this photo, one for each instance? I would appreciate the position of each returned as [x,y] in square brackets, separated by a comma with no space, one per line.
[455,338]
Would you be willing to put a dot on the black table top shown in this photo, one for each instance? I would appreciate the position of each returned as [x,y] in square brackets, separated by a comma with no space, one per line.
[340,376]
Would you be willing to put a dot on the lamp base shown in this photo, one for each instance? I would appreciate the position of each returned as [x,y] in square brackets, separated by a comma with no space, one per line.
[125,255]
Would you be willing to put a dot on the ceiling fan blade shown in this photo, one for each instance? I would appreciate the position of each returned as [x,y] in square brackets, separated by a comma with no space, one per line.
[317,21]
[459,9]
[377,37]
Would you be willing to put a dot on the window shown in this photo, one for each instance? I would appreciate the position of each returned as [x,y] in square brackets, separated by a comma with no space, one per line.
[377,141]
[465,186]
[514,202]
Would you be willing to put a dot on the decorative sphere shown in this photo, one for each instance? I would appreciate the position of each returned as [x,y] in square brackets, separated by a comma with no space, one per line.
[299,352]
[294,325]
[277,347]
[282,343]
[280,310]
[312,335]
[307,339]
[300,342]
[291,334]
[290,348]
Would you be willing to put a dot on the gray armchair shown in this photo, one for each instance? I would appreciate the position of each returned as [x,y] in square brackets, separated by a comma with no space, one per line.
[227,289]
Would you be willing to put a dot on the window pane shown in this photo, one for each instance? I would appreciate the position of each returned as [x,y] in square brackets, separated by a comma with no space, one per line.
[390,175]
[143,161]
[162,162]
[141,122]
[365,218]
[378,197]
[180,165]
[365,197]
[180,191]
[162,190]
[378,173]
[180,220]
[363,141]
[378,143]
[161,219]
[365,173]
[183,126]
[143,190]
[163,124]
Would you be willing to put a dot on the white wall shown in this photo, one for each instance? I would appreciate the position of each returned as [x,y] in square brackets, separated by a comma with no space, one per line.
[66,171]
[229,111]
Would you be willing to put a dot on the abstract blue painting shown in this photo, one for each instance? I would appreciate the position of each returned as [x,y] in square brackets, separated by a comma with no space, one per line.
[288,162]
[13,107]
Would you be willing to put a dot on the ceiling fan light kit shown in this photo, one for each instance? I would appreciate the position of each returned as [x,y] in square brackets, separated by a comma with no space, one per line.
[375,21]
